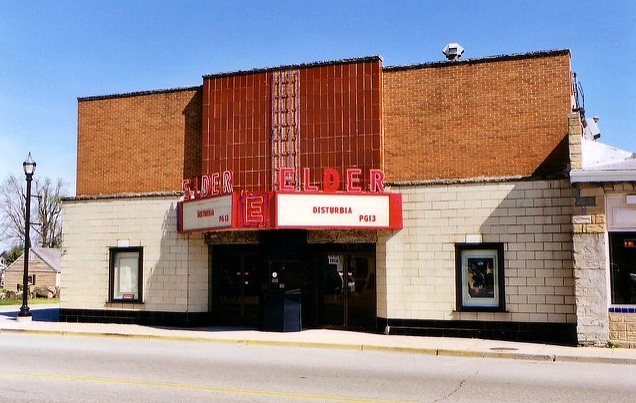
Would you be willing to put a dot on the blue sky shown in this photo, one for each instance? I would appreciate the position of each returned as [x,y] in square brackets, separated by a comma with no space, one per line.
[52,52]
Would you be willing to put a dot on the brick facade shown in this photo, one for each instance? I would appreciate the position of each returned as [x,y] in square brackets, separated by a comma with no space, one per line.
[138,143]
[499,117]
[622,329]
[469,115]
[314,116]
[477,149]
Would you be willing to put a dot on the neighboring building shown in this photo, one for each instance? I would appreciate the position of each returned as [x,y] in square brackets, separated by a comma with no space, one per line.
[44,269]
[429,199]
[604,181]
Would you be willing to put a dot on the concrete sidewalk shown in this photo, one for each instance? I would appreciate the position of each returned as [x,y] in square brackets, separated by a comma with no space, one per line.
[320,338]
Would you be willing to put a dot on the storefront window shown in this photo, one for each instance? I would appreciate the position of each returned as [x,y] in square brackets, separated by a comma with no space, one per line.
[623,267]
[479,277]
[126,274]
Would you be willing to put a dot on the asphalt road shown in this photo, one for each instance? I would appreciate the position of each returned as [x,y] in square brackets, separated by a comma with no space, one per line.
[53,368]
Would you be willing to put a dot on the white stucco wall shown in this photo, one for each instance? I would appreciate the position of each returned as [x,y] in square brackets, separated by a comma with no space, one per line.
[175,267]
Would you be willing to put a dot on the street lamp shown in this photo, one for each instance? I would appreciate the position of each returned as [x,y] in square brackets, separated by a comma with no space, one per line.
[29,170]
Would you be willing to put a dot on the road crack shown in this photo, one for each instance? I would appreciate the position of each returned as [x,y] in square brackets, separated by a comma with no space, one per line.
[459,386]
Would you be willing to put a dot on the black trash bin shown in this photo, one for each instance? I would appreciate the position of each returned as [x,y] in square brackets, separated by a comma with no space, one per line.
[292,316]
[282,312]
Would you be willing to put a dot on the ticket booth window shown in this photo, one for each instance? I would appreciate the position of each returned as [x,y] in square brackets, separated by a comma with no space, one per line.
[126,274]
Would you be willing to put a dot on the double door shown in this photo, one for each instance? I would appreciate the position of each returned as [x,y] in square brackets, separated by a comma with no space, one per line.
[245,285]
[237,281]
[348,297]
[335,285]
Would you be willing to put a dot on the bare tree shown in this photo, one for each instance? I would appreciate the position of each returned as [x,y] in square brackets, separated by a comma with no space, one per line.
[46,211]
[12,210]
[49,212]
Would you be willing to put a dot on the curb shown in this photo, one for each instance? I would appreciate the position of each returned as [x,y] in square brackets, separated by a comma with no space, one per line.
[342,346]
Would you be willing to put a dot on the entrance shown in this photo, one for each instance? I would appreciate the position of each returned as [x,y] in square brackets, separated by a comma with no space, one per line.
[236,285]
[316,285]
[282,297]
[348,290]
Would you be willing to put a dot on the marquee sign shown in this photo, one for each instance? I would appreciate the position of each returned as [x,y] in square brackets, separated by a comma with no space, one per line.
[338,211]
[204,186]
[331,181]
[210,203]
[207,214]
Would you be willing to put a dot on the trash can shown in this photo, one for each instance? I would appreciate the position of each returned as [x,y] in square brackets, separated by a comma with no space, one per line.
[292,315]
[282,312]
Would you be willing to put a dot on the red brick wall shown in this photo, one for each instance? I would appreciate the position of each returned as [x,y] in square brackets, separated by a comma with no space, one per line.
[497,117]
[236,128]
[340,111]
[138,143]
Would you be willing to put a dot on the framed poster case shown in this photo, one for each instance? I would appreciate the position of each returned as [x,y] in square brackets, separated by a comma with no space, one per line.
[480,277]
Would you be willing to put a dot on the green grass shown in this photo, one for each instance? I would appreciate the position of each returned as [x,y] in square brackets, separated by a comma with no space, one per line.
[36,301]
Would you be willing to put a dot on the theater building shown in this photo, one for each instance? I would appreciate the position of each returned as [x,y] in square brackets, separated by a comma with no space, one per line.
[430,199]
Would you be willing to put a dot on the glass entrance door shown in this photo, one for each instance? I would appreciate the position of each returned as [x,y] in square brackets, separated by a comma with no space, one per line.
[348,290]
[236,283]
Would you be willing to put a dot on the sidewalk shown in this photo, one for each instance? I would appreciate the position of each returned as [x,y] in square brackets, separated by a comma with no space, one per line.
[320,338]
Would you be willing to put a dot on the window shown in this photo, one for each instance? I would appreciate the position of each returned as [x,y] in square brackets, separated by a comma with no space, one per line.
[31,279]
[623,267]
[479,277]
[126,274]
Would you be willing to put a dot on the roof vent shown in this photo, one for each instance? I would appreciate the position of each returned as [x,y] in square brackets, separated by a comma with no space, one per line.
[453,51]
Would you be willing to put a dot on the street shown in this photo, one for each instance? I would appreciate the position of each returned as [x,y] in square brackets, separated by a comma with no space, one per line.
[54,368]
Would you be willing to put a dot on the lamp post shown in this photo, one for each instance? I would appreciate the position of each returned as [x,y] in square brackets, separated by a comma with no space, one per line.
[29,170]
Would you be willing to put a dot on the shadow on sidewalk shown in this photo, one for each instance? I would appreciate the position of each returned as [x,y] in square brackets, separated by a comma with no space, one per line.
[38,314]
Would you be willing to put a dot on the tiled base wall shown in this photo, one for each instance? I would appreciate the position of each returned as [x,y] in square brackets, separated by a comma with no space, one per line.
[556,333]
[144,318]
[623,326]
